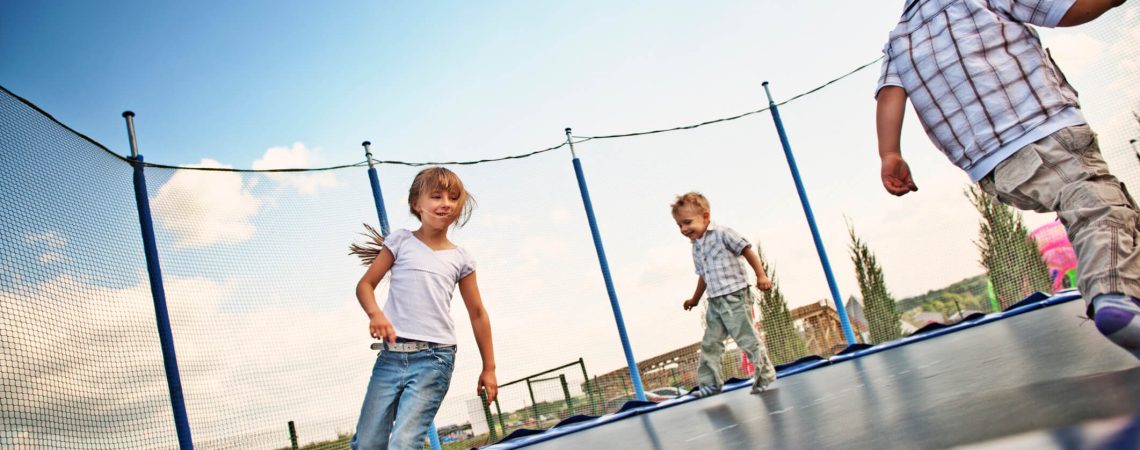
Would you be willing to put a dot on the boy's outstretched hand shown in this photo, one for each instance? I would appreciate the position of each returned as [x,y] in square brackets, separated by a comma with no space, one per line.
[690,303]
[489,384]
[896,175]
[764,284]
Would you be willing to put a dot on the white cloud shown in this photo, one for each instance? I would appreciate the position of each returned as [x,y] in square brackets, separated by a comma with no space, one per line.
[50,239]
[84,355]
[204,208]
[51,257]
[243,374]
[296,157]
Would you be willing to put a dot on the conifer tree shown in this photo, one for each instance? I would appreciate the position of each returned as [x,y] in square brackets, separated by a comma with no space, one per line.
[1010,257]
[878,305]
[784,343]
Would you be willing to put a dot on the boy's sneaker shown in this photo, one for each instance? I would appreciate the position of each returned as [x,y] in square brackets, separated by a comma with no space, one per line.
[705,391]
[762,380]
[765,376]
[1117,317]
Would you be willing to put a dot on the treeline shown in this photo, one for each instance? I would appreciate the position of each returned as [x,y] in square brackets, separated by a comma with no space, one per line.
[970,291]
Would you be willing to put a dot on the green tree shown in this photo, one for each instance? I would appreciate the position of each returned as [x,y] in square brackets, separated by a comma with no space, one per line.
[951,305]
[784,343]
[878,305]
[1010,257]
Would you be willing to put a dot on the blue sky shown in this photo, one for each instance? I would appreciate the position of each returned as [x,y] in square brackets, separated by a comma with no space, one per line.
[301,84]
[231,79]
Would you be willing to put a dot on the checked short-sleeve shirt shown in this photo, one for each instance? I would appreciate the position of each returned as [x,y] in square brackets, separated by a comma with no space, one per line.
[717,257]
[978,77]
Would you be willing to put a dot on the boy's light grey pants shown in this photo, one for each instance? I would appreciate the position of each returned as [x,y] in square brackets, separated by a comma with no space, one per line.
[729,315]
[1064,172]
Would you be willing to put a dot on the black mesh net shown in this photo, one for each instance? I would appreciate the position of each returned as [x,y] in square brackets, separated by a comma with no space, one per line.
[260,288]
[80,359]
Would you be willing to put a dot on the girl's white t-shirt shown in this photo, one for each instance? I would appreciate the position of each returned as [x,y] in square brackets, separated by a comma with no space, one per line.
[423,282]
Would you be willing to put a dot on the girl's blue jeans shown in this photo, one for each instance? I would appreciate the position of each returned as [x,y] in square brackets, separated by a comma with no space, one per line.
[403,396]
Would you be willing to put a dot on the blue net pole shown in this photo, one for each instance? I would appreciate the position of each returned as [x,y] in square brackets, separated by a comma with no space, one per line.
[844,321]
[433,438]
[377,195]
[158,293]
[382,213]
[634,374]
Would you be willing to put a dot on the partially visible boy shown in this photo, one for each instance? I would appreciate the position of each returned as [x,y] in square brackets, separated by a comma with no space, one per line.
[719,254]
[992,99]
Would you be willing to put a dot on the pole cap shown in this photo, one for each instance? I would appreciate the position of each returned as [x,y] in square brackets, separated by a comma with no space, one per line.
[128,114]
[366,143]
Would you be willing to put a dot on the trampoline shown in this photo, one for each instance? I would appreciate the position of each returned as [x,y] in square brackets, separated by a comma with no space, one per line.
[1036,376]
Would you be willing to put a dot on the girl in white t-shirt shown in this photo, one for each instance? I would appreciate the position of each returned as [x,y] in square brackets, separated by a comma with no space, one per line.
[413,371]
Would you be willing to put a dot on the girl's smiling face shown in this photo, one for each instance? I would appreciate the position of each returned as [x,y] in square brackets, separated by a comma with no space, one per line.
[437,208]
[438,199]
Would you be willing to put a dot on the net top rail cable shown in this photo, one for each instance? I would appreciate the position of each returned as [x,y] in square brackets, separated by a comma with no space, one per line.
[579,139]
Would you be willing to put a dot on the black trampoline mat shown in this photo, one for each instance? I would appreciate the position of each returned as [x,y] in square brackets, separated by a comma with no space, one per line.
[1042,370]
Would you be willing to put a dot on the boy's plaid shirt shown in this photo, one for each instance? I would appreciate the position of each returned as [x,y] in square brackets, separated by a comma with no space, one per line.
[978,76]
[717,258]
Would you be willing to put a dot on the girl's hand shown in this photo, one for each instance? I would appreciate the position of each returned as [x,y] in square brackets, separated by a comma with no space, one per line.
[764,283]
[380,328]
[691,303]
[489,384]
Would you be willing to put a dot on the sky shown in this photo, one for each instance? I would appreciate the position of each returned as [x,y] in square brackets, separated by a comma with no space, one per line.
[254,85]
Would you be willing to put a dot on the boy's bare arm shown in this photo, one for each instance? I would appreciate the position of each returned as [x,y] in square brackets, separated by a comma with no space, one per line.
[895,173]
[753,259]
[1084,11]
[692,302]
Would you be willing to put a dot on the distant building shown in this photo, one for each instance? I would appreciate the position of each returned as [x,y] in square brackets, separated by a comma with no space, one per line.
[858,319]
[927,317]
[821,329]
[452,433]
[676,368]
[477,416]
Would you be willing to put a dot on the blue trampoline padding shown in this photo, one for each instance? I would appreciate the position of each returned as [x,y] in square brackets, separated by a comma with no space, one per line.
[634,404]
[522,432]
[575,419]
[528,437]
[802,361]
[802,367]
[854,348]
[972,317]
[1031,299]
[1023,307]
[932,326]
[916,337]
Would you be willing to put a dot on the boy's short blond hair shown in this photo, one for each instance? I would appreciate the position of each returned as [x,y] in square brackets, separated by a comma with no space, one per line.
[691,200]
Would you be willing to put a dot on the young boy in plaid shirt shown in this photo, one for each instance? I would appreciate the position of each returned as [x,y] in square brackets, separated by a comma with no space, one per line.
[719,254]
[992,99]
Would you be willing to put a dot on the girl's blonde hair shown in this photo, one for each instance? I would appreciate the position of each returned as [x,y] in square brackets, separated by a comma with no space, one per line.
[439,178]
[691,200]
[430,179]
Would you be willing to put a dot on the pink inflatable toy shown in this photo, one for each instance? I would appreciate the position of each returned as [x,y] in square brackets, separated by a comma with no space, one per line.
[1058,254]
